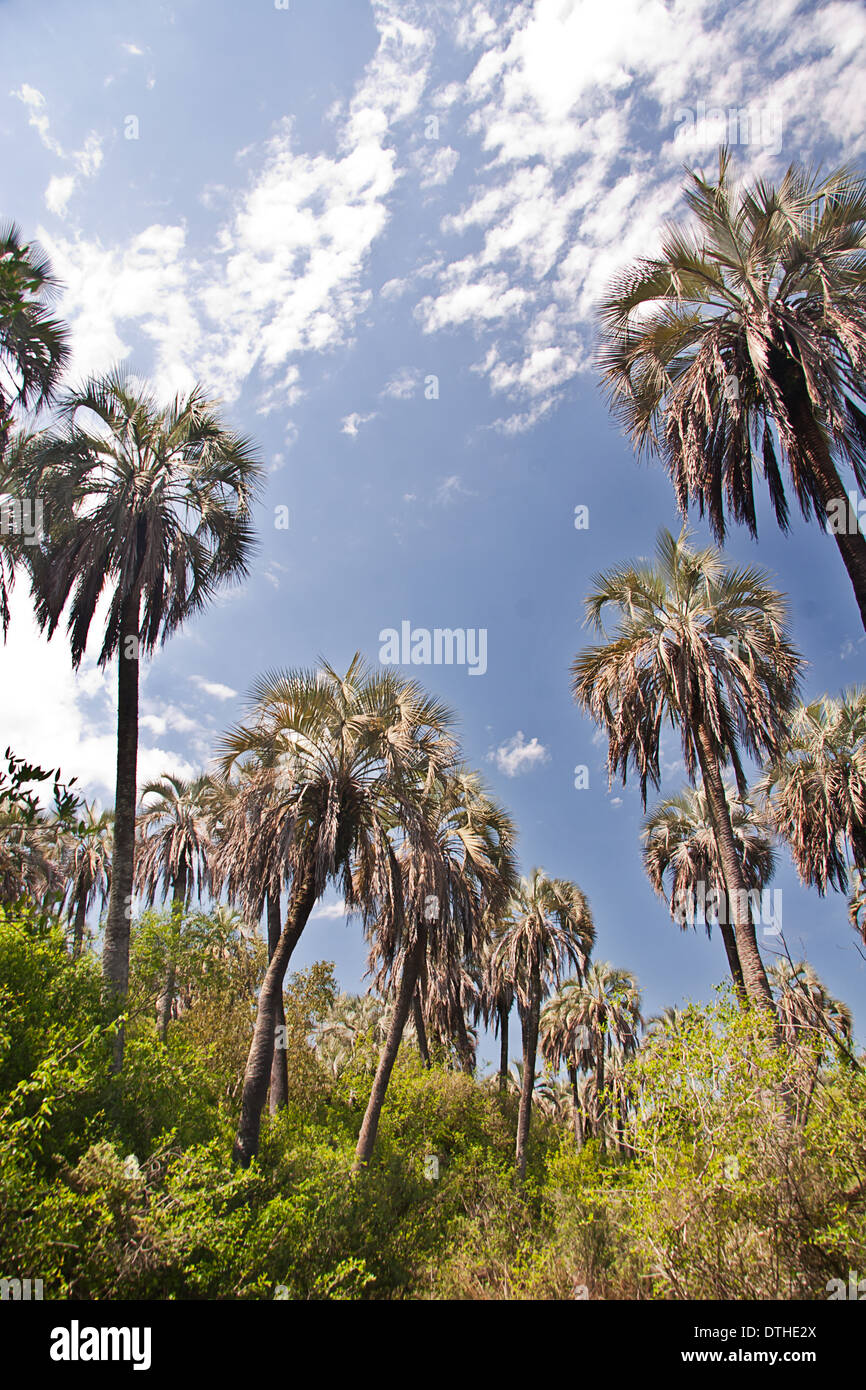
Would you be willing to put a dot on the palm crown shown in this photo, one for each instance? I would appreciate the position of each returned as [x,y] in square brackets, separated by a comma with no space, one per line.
[153,502]
[698,644]
[740,349]
[816,788]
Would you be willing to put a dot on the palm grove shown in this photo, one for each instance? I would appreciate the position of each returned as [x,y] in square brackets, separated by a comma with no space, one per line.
[737,353]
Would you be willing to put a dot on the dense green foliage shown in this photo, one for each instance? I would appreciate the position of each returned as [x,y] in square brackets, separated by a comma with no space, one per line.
[123,1186]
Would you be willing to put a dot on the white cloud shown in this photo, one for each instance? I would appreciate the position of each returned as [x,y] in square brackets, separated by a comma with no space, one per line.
[58,193]
[286,275]
[515,755]
[37,106]
[214,689]
[86,160]
[563,94]
[164,717]
[57,717]
[403,385]
[89,158]
[436,165]
[329,911]
[351,424]
[450,489]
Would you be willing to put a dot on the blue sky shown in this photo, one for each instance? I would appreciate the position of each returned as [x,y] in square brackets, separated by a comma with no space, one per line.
[378,231]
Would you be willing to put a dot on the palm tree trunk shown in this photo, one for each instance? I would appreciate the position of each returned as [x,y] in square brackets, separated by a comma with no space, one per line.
[79,924]
[388,1056]
[166,995]
[851,543]
[464,1046]
[599,1094]
[279,1087]
[420,1030]
[115,951]
[575,1106]
[258,1069]
[529,1023]
[503,1049]
[754,976]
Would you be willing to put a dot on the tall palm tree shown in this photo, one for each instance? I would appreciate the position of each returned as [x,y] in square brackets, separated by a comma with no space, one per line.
[343,759]
[680,843]
[815,789]
[591,1020]
[87,852]
[34,352]
[548,929]
[744,341]
[152,505]
[173,855]
[496,999]
[702,646]
[809,1015]
[564,1042]
[219,798]
[31,857]
[459,869]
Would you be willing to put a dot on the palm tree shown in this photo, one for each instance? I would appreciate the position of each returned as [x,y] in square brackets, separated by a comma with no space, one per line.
[588,1022]
[496,999]
[680,843]
[809,1015]
[151,504]
[564,1042]
[548,928]
[343,758]
[34,351]
[857,903]
[30,855]
[87,851]
[173,853]
[744,341]
[815,789]
[593,1019]
[670,1020]
[703,646]
[220,797]
[459,869]
[352,1019]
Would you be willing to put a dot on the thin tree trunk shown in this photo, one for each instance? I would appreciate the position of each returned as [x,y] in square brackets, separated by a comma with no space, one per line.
[850,542]
[420,1030]
[754,976]
[575,1107]
[530,1047]
[279,1087]
[388,1056]
[165,999]
[503,1049]
[115,951]
[79,924]
[258,1069]
[464,1046]
[599,1094]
